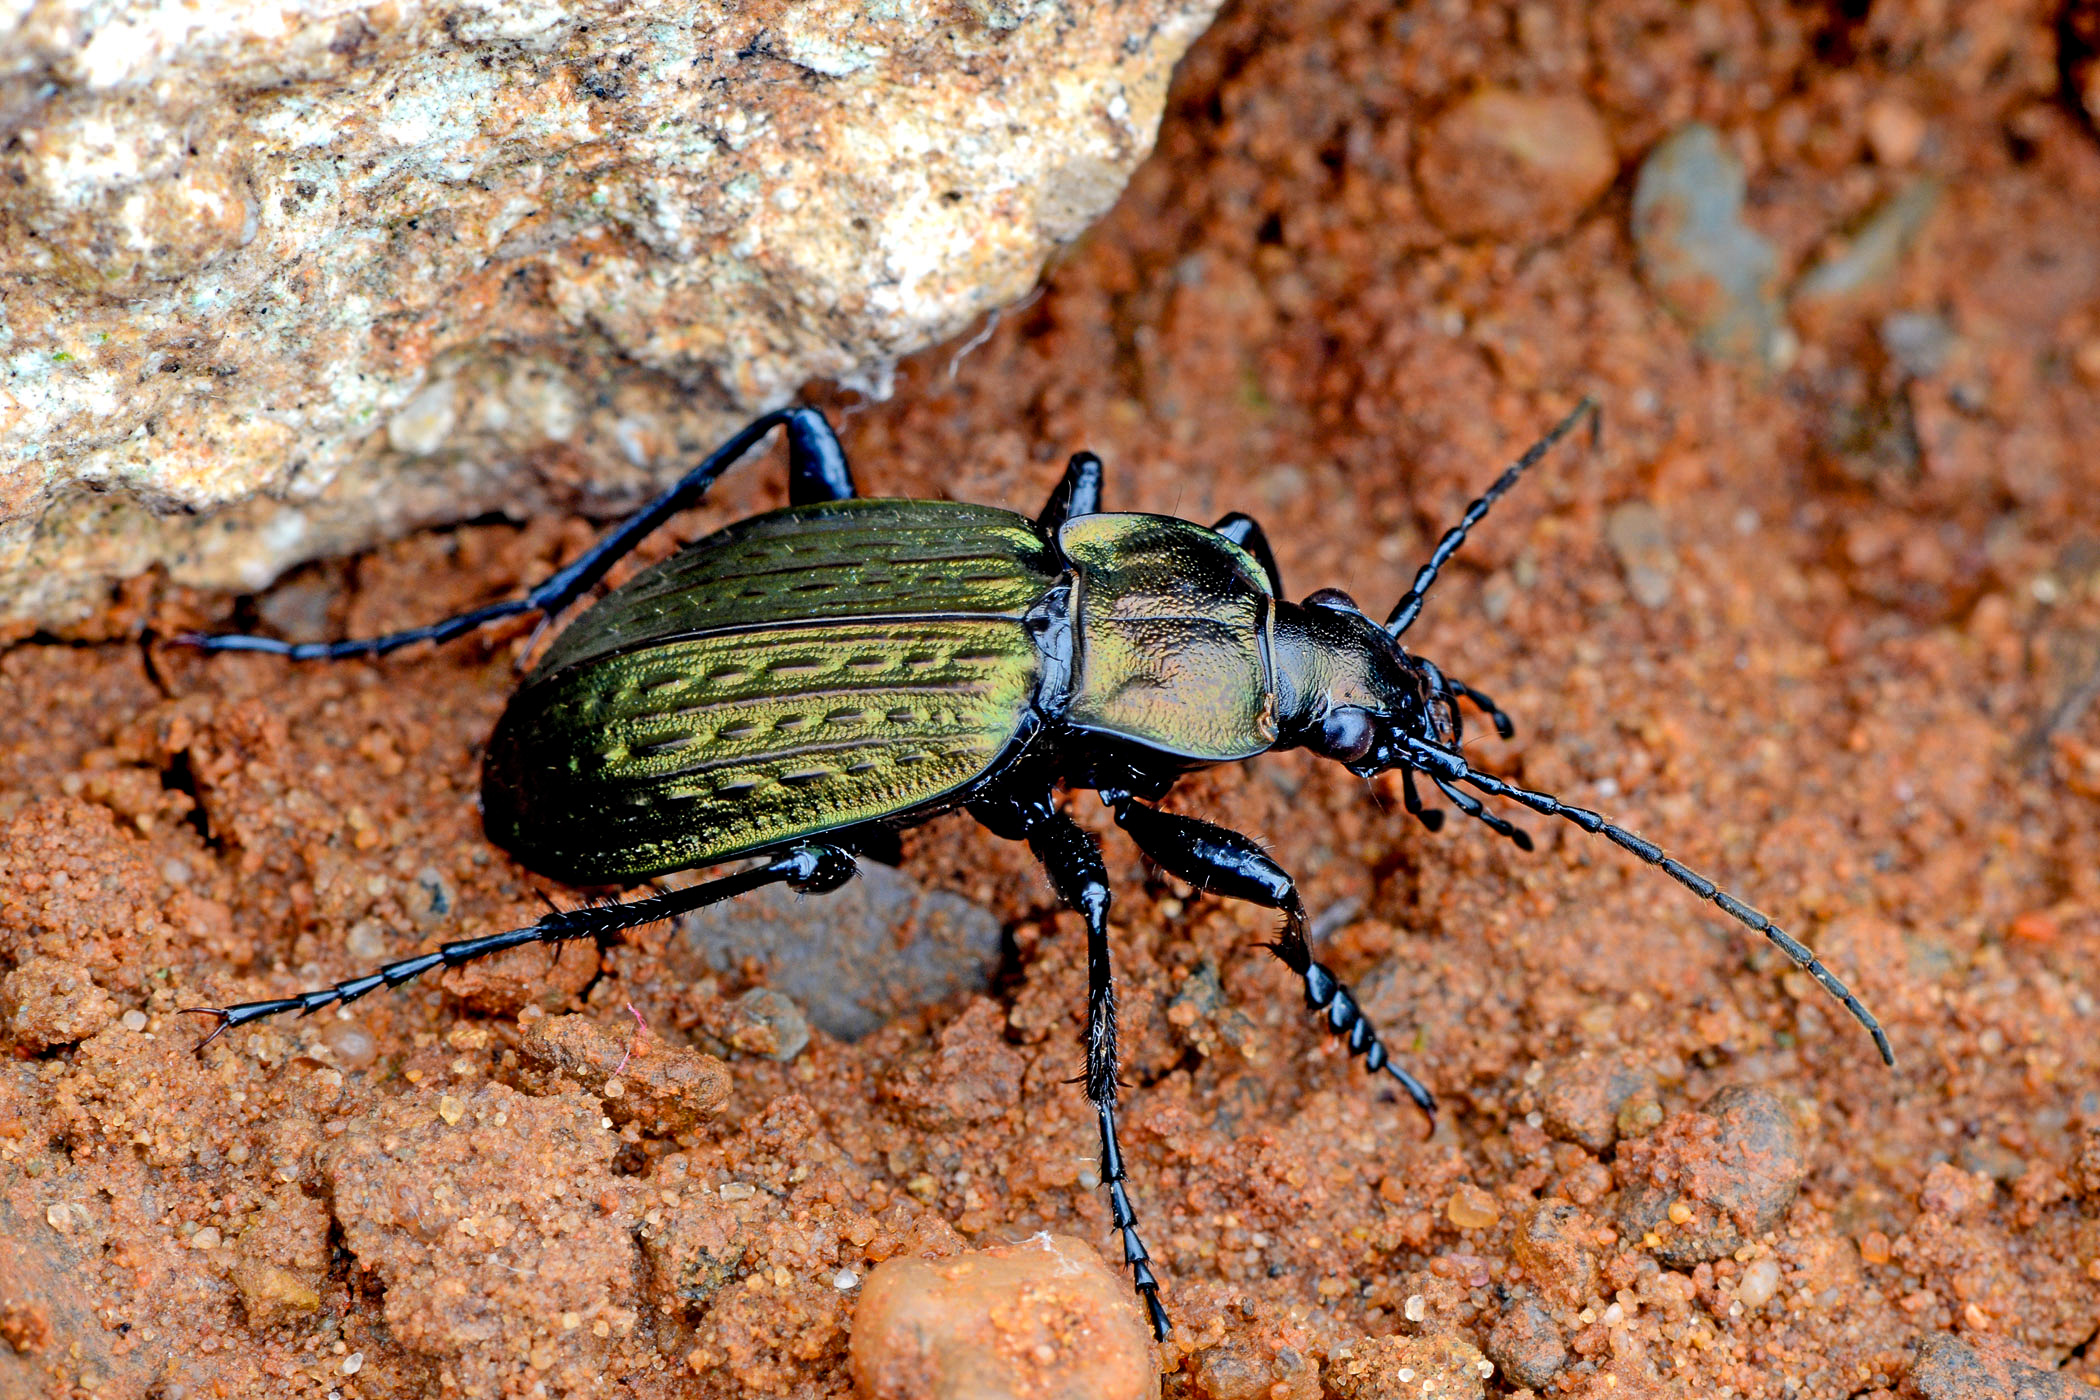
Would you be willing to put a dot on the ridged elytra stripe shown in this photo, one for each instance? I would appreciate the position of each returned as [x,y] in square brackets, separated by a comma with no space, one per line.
[600,773]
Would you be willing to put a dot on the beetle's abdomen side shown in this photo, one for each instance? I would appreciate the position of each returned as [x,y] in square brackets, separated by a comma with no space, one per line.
[795,674]
[1172,635]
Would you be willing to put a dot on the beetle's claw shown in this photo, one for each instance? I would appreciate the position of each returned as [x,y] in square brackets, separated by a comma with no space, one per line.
[1160,1325]
[225,1024]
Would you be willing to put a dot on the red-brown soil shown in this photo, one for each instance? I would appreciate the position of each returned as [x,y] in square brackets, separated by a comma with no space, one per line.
[1863,698]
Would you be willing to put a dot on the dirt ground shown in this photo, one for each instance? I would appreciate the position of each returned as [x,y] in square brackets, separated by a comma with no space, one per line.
[1826,625]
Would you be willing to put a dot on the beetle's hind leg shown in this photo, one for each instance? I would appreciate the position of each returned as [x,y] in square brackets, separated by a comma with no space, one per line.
[810,869]
[817,471]
[1224,862]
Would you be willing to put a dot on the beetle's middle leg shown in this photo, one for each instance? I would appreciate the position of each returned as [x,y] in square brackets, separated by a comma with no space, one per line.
[817,471]
[1020,809]
[810,869]
[1215,859]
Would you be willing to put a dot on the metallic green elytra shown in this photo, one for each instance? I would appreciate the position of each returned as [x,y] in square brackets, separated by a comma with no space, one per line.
[798,686]
[817,668]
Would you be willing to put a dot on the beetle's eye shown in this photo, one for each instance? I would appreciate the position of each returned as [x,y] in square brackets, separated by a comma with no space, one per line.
[1346,735]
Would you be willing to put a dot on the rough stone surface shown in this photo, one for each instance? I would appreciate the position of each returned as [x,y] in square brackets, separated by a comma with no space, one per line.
[906,947]
[1525,1343]
[45,1002]
[1513,165]
[1985,1368]
[280,280]
[1730,1168]
[1442,1365]
[1040,1320]
[665,1088]
[1557,1251]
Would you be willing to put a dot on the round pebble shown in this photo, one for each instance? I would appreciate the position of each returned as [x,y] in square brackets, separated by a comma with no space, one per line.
[1043,1319]
[1513,165]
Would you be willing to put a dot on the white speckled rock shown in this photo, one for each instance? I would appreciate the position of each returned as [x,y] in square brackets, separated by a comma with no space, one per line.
[280,277]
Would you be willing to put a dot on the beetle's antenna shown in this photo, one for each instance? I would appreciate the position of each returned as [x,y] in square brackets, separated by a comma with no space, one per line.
[1410,605]
[1443,766]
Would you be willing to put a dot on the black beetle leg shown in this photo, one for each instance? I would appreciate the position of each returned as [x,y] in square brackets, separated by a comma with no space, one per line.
[1078,493]
[817,471]
[810,869]
[1502,722]
[1473,807]
[1246,532]
[1225,862]
[1412,799]
[1073,860]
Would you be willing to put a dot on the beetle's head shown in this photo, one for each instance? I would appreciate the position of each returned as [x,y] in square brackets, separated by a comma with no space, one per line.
[1345,688]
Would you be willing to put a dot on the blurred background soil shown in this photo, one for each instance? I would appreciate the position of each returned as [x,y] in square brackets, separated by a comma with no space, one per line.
[1821,613]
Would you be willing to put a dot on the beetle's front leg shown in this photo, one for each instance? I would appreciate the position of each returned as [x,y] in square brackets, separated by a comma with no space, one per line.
[1225,862]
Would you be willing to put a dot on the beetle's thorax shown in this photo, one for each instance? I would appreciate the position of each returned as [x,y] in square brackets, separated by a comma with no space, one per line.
[1335,661]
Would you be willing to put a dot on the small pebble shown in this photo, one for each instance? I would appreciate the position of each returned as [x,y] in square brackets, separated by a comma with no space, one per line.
[1759,1283]
[1641,543]
[1895,131]
[765,1022]
[353,1363]
[1471,1208]
[1525,1343]
[1044,1317]
[1511,165]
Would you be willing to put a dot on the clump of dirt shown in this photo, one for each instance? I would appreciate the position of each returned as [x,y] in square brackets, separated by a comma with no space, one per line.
[1824,621]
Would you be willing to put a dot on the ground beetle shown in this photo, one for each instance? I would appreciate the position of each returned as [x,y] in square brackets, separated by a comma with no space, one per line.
[800,685]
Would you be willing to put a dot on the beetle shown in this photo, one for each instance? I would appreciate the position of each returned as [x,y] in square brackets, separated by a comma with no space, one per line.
[800,685]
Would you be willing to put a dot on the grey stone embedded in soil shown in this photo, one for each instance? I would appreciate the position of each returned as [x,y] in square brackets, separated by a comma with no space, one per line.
[1919,341]
[857,957]
[1719,275]
[1736,1163]
[1874,250]
[1525,1344]
[293,278]
[1980,1367]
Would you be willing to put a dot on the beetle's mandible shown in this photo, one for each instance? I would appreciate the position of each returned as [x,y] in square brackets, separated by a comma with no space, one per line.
[794,688]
